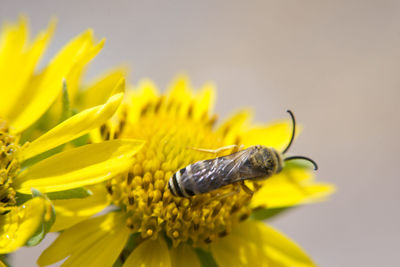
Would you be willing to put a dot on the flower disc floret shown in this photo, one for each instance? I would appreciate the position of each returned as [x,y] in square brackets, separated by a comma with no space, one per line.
[9,167]
[143,193]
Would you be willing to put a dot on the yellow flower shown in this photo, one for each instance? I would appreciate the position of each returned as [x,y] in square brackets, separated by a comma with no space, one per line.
[151,227]
[25,95]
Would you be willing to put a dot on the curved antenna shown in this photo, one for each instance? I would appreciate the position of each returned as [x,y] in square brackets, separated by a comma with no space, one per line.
[293,132]
[305,158]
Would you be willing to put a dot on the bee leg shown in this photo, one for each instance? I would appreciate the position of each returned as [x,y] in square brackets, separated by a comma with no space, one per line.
[218,150]
[246,188]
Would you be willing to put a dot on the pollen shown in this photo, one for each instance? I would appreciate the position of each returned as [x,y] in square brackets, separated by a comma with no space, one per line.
[171,130]
[9,167]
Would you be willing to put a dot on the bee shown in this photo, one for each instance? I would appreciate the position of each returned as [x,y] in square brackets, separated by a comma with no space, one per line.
[253,163]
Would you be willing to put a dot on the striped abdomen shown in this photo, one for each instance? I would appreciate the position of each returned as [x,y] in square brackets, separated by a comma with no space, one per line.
[174,184]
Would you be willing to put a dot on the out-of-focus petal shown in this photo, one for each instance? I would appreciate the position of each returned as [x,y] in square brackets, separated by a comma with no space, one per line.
[289,188]
[99,91]
[20,224]
[18,60]
[94,242]
[46,86]
[183,256]
[254,244]
[72,211]
[76,126]
[276,135]
[151,253]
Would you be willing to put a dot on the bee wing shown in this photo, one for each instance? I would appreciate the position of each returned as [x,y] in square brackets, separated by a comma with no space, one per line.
[211,174]
[238,159]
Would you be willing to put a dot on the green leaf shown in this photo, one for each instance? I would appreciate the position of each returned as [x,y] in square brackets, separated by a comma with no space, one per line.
[261,214]
[71,193]
[45,226]
[206,258]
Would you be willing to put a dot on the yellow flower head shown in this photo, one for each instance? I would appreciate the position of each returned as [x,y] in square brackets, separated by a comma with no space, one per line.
[170,230]
[25,95]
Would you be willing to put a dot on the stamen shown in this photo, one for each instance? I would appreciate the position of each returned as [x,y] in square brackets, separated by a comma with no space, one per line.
[9,166]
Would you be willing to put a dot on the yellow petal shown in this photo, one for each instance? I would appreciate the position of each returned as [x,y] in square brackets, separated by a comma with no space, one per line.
[85,165]
[18,225]
[146,92]
[180,90]
[252,243]
[282,250]
[243,247]
[75,75]
[13,41]
[99,91]
[276,135]
[204,102]
[94,242]
[75,126]
[17,63]
[46,86]
[2,264]
[290,187]
[183,256]
[234,126]
[151,253]
[72,211]
[180,95]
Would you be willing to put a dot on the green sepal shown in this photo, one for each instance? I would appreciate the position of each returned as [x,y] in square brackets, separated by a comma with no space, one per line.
[206,258]
[42,156]
[66,107]
[261,214]
[80,192]
[80,141]
[22,198]
[66,112]
[45,226]
[5,258]
[42,124]
[133,241]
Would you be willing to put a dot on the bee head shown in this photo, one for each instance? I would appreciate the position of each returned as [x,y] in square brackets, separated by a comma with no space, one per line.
[290,143]
[268,160]
[278,160]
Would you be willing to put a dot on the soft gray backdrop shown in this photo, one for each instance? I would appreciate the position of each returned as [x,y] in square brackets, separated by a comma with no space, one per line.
[336,64]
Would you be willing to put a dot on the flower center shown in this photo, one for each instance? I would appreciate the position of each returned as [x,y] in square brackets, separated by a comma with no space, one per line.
[143,191]
[9,167]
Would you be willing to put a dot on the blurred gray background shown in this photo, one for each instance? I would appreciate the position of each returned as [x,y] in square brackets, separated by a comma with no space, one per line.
[336,64]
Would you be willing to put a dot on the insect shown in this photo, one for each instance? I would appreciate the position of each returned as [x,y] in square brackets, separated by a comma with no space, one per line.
[253,163]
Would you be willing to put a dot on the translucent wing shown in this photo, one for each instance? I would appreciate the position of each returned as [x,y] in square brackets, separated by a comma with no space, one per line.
[239,159]
[207,175]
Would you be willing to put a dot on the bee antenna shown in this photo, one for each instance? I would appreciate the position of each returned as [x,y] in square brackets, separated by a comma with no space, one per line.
[293,131]
[305,158]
